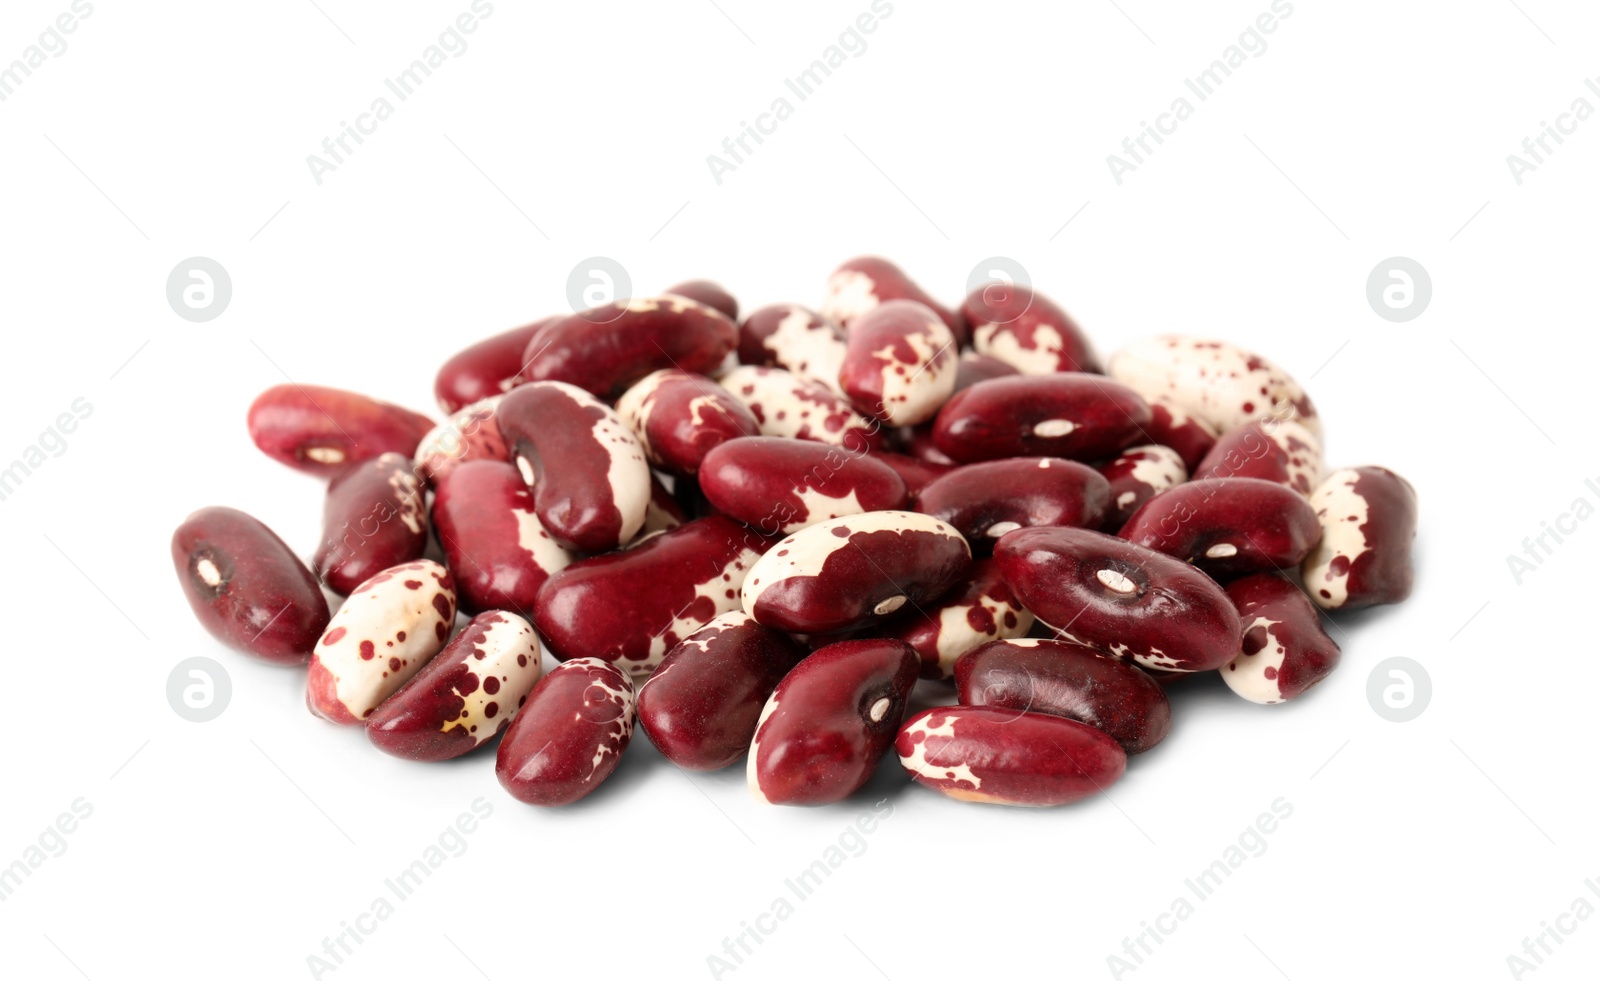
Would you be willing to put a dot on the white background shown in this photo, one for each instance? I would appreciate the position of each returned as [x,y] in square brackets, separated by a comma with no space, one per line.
[1364,130]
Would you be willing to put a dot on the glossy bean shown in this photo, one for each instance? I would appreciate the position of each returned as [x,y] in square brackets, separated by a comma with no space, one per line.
[791,337]
[986,500]
[860,284]
[569,735]
[899,364]
[977,610]
[1136,475]
[1282,452]
[319,430]
[1072,415]
[1221,383]
[1027,330]
[471,433]
[996,756]
[786,404]
[372,519]
[679,418]
[494,544]
[486,369]
[1227,526]
[1189,436]
[713,295]
[779,486]
[608,348]
[1369,519]
[1284,650]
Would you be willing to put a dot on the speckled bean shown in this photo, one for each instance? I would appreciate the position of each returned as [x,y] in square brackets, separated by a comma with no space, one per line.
[1219,382]
[779,486]
[1369,519]
[786,404]
[679,418]
[1026,330]
[372,519]
[900,363]
[1285,650]
[569,735]
[996,756]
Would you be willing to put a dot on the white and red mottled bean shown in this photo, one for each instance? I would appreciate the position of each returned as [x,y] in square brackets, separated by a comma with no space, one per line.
[779,486]
[858,285]
[1369,519]
[1027,330]
[786,404]
[608,348]
[998,756]
[372,518]
[712,294]
[1268,449]
[680,417]
[569,735]
[1136,475]
[494,544]
[978,610]
[1221,383]
[470,433]
[790,337]
[1285,650]
[900,363]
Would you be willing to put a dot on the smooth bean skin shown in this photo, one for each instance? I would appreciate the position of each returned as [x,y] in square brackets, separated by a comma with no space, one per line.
[788,336]
[494,544]
[1282,452]
[915,472]
[858,285]
[246,587]
[977,610]
[986,500]
[899,364]
[1056,677]
[1221,383]
[569,735]
[779,486]
[679,418]
[789,405]
[1227,526]
[701,705]
[972,368]
[1121,598]
[827,725]
[1070,414]
[711,294]
[465,695]
[486,369]
[608,348]
[1369,520]
[1189,436]
[471,433]
[988,755]
[1027,330]
[372,519]
[1136,475]
[1285,651]
[319,430]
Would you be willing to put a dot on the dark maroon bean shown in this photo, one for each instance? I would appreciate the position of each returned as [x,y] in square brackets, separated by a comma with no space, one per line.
[680,417]
[917,442]
[1267,449]
[570,734]
[709,293]
[1076,682]
[470,434]
[900,363]
[986,500]
[319,430]
[995,756]
[915,472]
[825,728]
[372,519]
[978,610]
[497,550]
[1369,519]
[246,587]
[973,368]
[1285,650]
[1189,436]
[779,486]
[795,339]
[1120,597]
[1136,475]
[486,369]
[701,705]
[1027,330]
[860,284]
[1227,526]
[1071,414]
[608,348]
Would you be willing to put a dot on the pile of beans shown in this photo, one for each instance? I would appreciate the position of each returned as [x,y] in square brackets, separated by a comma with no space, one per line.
[754,537]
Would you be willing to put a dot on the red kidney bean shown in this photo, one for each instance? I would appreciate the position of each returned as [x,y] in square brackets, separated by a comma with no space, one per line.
[372,519]
[713,295]
[795,339]
[1188,436]
[486,369]
[1268,449]
[386,631]
[972,368]
[465,695]
[845,573]
[860,284]
[494,544]
[246,587]
[1071,415]
[1224,385]
[786,404]
[779,486]
[918,443]
[1369,519]
[569,735]
[1285,650]
[900,363]
[1136,475]
[631,607]
[825,728]
[1026,330]
[916,473]
[608,348]
[1228,526]
[1075,682]
[701,705]
[1120,597]
[319,430]
[985,500]
[470,434]
[976,611]
[995,756]
[591,484]
[680,417]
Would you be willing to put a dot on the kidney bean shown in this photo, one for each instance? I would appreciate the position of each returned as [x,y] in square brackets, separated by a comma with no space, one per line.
[860,284]
[995,756]
[608,348]
[486,369]
[1071,415]
[900,363]
[391,625]
[701,705]
[1224,385]
[976,611]
[845,573]
[465,695]
[494,544]
[915,472]
[1268,449]
[470,434]
[664,510]
[918,443]
[1285,650]
[1369,519]
[779,486]
[680,417]
[985,500]
[1121,598]
[372,520]
[591,484]
[318,430]
[1135,476]
[1227,527]
[631,607]
[569,735]
[1188,436]
[713,295]
[972,368]
[1056,677]
[1026,330]
[246,587]
[796,339]
[825,728]
[786,404]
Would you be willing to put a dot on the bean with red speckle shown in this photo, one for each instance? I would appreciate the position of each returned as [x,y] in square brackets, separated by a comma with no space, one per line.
[1268,449]
[1136,475]
[791,337]
[861,284]
[900,363]
[1285,650]
[1187,435]
[372,519]
[996,756]
[1026,330]
[569,735]
[977,610]
[680,417]
[786,404]
[471,433]
[1221,383]
[1369,519]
